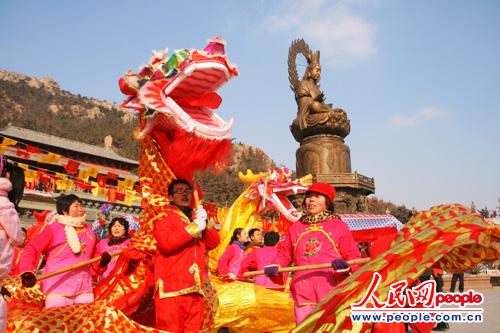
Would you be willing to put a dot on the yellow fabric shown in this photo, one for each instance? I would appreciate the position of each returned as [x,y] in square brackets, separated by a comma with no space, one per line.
[98,191]
[193,230]
[92,172]
[50,158]
[238,216]
[245,307]
[94,317]
[23,166]
[9,142]
[83,174]
[64,184]
[126,184]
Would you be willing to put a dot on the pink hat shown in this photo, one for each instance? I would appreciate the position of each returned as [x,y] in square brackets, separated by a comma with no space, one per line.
[323,188]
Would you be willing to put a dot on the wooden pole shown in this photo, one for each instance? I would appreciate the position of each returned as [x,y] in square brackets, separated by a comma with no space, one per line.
[308,267]
[196,195]
[75,266]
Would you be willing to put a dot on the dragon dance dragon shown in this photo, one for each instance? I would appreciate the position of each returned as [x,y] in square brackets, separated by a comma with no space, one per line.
[179,132]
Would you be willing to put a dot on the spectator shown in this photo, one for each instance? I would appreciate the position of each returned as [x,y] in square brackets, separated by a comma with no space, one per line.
[118,239]
[460,278]
[256,240]
[230,261]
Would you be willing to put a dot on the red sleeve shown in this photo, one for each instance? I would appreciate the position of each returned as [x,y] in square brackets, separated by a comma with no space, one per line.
[34,249]
[212,238]
[170,234]
[248,264]
[224,260]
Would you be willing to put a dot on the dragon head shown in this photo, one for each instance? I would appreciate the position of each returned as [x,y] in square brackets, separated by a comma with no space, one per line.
[273,190]
[179,132]
[175,96]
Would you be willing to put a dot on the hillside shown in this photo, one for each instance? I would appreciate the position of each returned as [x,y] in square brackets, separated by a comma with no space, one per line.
[41,105]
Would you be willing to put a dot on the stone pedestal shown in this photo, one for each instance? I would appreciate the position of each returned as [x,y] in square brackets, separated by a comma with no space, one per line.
[323,154]
[328,159]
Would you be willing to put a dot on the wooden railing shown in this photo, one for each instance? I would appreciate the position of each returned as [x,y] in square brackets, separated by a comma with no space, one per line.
[353,180]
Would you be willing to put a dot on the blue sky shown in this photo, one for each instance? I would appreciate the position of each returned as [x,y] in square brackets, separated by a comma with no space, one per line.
[420,80]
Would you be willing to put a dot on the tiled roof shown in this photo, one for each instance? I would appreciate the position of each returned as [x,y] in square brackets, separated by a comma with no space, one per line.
[24,134]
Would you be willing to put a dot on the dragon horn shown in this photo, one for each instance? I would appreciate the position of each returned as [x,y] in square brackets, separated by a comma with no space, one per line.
[306,180]
[250,177]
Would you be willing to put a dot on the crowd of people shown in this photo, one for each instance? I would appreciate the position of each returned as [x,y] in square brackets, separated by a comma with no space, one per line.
[184,236]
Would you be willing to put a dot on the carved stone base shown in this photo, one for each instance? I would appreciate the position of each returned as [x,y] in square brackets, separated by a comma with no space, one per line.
[323,154]
[350,203]
[352,190]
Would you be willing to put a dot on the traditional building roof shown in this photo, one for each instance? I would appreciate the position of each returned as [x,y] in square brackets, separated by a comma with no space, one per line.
[24,134]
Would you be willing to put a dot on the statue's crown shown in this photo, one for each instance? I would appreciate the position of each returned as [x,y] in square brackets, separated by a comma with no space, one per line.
[314,58]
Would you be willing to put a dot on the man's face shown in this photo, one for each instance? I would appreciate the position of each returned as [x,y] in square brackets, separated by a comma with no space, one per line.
[181,195]
[257,237]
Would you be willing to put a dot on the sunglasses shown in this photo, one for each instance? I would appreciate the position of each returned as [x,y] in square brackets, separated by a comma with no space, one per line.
[182,190]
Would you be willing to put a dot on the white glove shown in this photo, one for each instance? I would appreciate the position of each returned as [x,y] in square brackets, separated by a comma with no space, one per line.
[202,224]
[231,276]
[201,213]
[200,217]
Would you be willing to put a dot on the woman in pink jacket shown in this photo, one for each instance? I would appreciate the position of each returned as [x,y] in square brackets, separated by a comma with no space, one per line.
[11,193]
[230,261]
[66,241]
[118,239]
[318,237]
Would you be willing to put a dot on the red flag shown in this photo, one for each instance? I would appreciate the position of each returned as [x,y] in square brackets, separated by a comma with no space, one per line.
[120,196]
[112,175]
[32,149]
[72,167]
[82,184]
[112,194]
[22,153]
[102,180]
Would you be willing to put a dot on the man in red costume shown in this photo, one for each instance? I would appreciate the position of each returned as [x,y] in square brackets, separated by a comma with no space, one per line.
[180,261]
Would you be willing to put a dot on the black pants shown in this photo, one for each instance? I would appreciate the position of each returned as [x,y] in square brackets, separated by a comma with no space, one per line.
[460,278]
[439,282]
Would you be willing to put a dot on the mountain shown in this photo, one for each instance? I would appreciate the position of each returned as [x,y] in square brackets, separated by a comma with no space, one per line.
[41,105]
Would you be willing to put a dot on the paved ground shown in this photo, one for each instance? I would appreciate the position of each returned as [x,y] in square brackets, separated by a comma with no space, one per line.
[491,323]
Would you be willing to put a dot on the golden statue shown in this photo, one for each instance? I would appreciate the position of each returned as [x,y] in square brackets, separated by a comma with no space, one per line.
[314,116]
